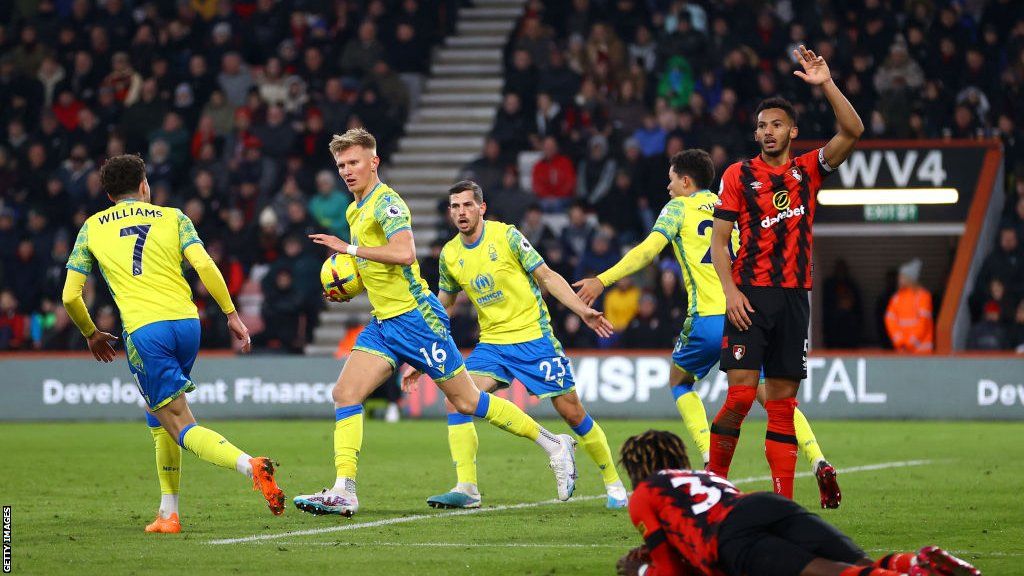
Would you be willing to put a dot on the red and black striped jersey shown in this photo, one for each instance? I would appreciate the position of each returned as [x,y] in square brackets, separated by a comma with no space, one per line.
[773,207]
[679,513]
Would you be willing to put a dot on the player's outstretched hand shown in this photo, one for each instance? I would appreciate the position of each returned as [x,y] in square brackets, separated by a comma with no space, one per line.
[411,379]
[629,565]
[332,242]
[241,333]
[588,290]
[737,307]
[99,345]
[598,323]
[815,70]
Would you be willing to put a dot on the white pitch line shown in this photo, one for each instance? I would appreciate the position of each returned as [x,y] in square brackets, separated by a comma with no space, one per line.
[454,544]
[503,507]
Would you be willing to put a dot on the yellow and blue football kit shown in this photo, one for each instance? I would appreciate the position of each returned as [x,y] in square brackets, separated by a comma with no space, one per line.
[515,327]
[409,324]
[139,248]
[685,222]
[516,341]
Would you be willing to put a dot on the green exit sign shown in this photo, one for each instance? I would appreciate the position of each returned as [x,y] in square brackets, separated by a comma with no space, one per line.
[890,213]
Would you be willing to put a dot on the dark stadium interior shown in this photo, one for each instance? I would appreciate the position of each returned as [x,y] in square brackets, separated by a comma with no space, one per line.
[232,104]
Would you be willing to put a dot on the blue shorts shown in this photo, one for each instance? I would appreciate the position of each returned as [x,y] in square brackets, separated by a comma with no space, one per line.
[161,355]
[418,337]
[539,364]
[699,346]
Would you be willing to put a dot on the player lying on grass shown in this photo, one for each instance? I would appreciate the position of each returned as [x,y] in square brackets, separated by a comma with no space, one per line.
[409,325]
[696,523]
[139,249]
[686,222]
[502,274]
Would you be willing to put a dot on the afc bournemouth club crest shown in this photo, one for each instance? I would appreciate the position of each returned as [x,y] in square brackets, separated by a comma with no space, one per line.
[739,351]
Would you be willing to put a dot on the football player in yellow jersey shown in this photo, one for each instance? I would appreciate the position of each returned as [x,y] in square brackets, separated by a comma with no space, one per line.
[409,325]
[139,249]
[502,275]
[686,222]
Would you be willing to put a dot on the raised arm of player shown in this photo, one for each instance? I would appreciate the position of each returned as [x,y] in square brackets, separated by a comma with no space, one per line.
[554,283]
[736,303]
[816,72]
[211,277]
[639,256]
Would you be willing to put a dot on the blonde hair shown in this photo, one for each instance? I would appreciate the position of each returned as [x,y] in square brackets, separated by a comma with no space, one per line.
[354,137]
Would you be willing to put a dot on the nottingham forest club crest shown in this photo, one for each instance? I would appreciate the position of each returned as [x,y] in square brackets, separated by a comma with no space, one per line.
[492,253]
[739,351]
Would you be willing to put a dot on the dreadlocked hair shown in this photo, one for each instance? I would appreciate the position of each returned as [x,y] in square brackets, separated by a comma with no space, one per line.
[645,454]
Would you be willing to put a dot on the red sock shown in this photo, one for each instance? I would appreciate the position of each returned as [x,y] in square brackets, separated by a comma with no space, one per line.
[725,430]
[899,561]
[780,444]
[868,571]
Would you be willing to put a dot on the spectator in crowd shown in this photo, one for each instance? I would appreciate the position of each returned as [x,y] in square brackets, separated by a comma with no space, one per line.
[281,312]
[647,329]
[554,178]
[908,318]
[486,170]
[596,173]
[511,125]
[329,205]
[508,201]
[621,303]
[841,306]
[989,334]
[1005,263]
[577,233]
[1016,332]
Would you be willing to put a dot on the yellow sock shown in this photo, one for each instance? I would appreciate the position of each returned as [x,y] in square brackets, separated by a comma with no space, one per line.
[348,439]
[463,443]
[805,437]
[695,418]
[594,441]
[210,446]
[168,460]
[507,416]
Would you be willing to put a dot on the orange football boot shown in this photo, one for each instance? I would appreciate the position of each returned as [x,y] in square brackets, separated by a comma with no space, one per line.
[263,481]
[169,525]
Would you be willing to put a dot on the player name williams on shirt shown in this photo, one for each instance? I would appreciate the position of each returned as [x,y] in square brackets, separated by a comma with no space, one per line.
[129,211]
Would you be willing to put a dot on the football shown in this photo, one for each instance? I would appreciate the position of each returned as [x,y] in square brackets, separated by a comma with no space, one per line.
[340,278]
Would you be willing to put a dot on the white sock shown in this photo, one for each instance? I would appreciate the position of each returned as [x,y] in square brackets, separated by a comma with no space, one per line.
[549,442]
[707,458]
[168,505]
[817,462]
[467,488]
[243,466]
[343,484]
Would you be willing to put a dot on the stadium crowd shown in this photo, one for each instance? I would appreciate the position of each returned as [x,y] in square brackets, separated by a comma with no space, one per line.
[232,103]
[607,92]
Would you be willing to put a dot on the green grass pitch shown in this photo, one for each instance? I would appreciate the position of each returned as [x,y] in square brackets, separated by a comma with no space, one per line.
[81,494]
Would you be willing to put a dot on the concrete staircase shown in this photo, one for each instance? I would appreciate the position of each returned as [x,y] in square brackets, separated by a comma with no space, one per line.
[447,130]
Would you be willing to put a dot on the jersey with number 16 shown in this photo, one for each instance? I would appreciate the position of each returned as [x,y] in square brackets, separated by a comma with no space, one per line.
[139,249]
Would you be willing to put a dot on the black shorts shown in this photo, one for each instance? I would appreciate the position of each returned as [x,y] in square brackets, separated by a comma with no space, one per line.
[777,338]
[769,535]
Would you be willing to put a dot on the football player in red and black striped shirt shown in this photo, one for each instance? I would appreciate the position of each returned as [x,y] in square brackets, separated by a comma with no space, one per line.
[771,199]
[695,523]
